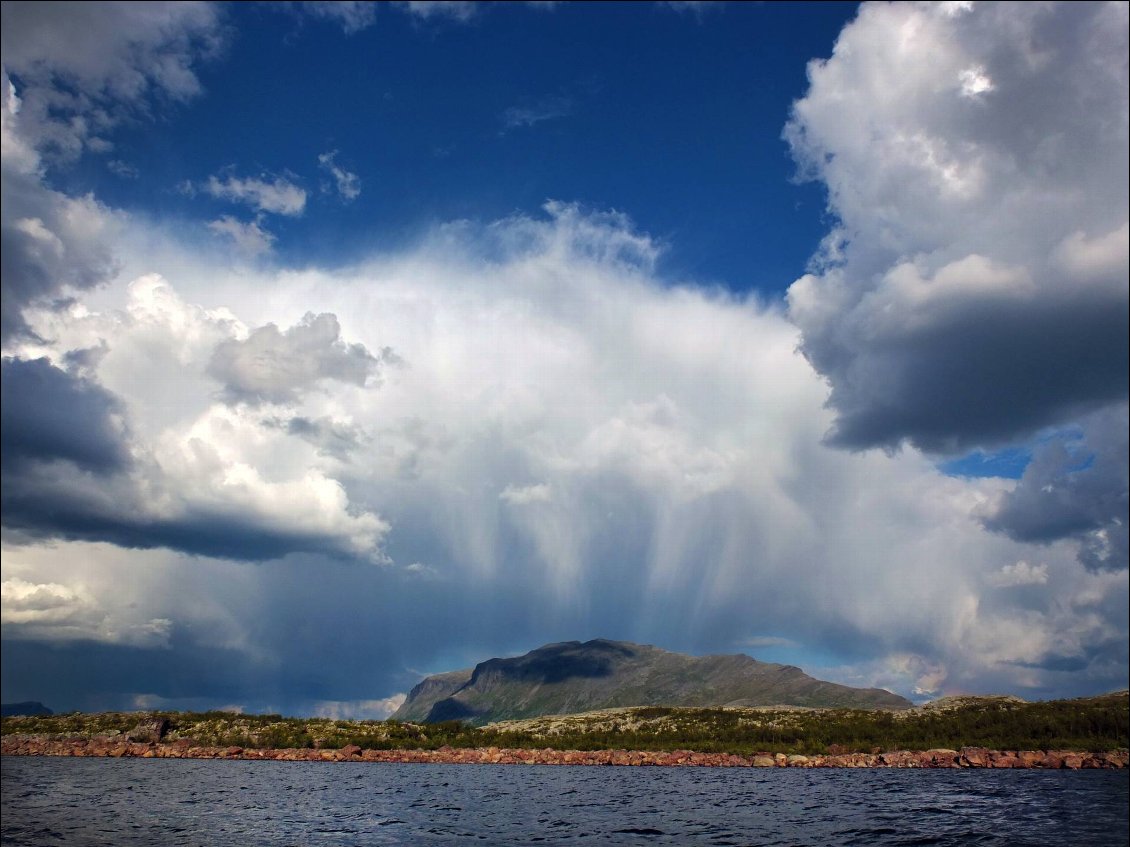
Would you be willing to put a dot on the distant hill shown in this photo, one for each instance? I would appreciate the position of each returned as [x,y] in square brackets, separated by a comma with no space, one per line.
[31,707]
[573,677]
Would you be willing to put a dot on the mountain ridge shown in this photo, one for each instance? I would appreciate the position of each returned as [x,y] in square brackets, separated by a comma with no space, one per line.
[570,677]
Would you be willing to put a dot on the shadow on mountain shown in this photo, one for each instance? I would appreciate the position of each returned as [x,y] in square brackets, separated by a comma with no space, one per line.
[450,709]
[557,663]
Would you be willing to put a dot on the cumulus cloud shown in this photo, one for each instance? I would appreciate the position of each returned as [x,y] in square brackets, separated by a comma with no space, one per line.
[274,194]
[976,161]
[275,367]
[81,68]
[83,461]
[347,184]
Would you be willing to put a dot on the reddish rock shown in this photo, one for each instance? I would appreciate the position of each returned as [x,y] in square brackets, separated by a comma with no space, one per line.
[975,757]
[1007,762]
[942,758]
[118,746]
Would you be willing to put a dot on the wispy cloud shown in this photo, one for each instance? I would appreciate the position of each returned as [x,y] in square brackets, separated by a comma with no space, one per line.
[455,10]
[698,8]
[536,112]
[123,169]
[274,194]
[347,183]
[352,15]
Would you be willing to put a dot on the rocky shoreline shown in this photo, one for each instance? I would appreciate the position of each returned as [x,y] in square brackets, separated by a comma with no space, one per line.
[966,757]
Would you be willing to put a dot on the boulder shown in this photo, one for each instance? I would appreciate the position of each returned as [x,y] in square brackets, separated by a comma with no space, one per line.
[149,731]
[940,757]
[975,757]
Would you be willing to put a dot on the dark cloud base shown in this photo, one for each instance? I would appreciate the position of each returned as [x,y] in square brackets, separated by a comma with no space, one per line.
[995,376]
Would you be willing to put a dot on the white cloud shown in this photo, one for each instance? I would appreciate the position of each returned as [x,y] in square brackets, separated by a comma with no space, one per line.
[248,237]
[348,184]
[276,195]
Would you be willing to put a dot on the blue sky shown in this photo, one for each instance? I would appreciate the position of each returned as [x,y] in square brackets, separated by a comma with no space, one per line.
[345,343]
[637,107]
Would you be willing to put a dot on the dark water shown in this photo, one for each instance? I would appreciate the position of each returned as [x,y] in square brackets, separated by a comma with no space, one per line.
[61,801]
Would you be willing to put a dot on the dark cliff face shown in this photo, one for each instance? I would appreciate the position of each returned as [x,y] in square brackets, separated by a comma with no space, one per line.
[575,677]
[428,692]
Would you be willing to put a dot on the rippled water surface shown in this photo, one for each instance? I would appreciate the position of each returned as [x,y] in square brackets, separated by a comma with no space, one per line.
[184,802]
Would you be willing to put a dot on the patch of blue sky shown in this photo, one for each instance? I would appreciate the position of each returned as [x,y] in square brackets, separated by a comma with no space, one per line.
[672,119]
[1005,464]
[1011,462]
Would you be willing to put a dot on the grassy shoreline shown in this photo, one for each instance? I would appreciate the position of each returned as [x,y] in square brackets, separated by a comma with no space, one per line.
[1088,724]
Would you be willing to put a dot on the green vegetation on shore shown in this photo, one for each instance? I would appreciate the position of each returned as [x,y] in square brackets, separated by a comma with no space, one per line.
[1095,723]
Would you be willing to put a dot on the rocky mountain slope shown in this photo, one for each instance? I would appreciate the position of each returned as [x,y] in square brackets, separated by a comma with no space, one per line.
[573,677]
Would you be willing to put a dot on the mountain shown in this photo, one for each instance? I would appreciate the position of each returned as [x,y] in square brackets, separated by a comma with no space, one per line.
[11,710]
[573,677]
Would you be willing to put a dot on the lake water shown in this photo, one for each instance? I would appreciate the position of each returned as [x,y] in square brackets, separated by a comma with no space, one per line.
[66,801]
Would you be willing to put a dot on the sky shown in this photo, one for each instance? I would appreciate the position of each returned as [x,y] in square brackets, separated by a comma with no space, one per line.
[348,343]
